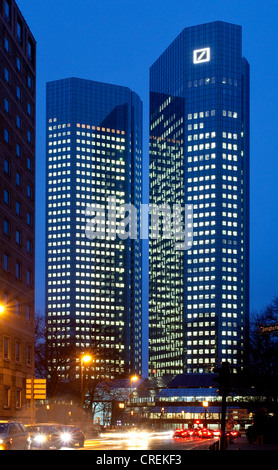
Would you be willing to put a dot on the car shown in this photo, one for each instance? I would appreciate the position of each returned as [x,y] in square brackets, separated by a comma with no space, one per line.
[205,433]
[181,433]
[47,436]
[42,436]
[13,436]
[72,435]
[230,434]
[233,434]
[194,432]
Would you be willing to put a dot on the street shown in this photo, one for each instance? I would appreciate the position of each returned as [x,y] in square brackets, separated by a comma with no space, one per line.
[146,441]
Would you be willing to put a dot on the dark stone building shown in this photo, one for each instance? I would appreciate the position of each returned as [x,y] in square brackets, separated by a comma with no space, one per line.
[17,207]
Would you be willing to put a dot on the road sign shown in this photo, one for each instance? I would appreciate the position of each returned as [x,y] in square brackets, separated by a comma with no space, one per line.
[36,389]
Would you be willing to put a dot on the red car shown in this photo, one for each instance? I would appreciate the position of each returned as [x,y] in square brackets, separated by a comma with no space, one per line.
[181,433]
[205,433]
[233,434]
[229,434]
[193,432]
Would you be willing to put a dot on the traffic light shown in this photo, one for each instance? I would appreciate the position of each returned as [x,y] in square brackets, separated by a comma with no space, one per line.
[223,378]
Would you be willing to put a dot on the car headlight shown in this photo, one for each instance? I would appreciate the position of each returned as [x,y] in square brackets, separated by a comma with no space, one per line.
[40,438]
[65,437]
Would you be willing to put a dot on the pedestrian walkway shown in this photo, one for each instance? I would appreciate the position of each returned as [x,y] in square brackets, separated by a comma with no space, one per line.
[242,443]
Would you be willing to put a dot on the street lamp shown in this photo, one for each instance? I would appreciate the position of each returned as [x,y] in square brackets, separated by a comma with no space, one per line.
[132,379]
[205,405]
[86,359]
[83,360]
[2,309]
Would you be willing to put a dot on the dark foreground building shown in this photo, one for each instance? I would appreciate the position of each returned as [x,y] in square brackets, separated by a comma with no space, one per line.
[93,285]
[199,156]
[17,208]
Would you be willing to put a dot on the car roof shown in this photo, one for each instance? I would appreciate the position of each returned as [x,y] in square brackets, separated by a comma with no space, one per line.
[9,421]
[53,424]
[45,425]
[58,425]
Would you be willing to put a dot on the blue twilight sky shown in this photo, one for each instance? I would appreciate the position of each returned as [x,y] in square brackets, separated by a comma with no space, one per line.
[116,41]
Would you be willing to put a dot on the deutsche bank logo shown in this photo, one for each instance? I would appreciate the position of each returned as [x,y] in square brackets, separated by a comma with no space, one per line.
[201,55]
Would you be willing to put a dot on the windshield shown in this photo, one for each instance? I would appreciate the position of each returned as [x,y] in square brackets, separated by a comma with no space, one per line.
[3,428]
[32,428]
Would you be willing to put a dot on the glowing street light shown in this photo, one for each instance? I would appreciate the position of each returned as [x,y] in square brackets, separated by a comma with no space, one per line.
[205,405]
[132,379]
[86,359]
[2,309]
[83,360]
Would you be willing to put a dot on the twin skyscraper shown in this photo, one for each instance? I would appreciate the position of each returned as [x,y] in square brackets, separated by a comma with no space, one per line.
[199,158]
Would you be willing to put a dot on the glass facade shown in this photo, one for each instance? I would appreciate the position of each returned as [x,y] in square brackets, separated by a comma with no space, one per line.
[199,155]
[93,286]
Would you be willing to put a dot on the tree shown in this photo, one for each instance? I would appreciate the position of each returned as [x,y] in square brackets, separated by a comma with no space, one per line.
[59,361]
[40,360]
[264,353]
[223,381]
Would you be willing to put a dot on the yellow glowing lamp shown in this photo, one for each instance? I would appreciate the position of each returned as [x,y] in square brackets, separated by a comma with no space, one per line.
[2,309]
[86,359]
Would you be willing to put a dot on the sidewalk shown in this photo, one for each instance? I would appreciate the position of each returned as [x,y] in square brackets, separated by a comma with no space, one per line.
[241,443]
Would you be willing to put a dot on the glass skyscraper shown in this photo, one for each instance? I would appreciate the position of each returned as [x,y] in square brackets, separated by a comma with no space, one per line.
[93,285]
[199,156]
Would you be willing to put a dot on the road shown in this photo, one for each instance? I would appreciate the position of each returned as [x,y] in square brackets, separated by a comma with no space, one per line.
[145,442]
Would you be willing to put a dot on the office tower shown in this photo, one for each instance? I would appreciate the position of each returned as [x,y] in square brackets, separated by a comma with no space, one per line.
[17,208]
[93,285]
[199,156]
